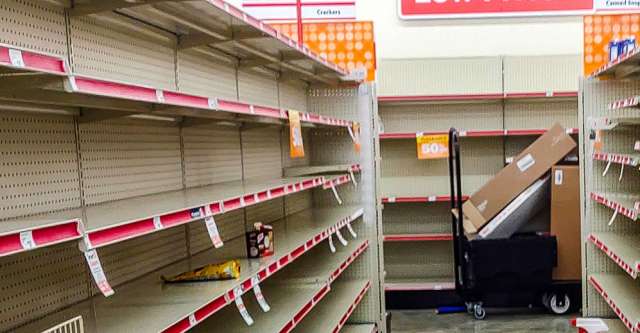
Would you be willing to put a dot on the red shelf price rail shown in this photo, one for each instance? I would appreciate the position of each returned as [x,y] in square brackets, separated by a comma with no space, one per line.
[474,133]
[433,198]
[418,238]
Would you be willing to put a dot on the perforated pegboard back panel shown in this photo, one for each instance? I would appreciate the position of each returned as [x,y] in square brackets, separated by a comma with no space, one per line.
[114,47]
[596,96]
[261,153]
[444,76]
[441,117]
[417,260]
[35,283]
[540,115]
[298,202]
[417,218]
[293,96]
[334,102]
[33,25]
[265,212]
[201,76]
[38,164]
[211,155]
[126,158]
[287,160]
[541,73]
[258,88]
[128,260]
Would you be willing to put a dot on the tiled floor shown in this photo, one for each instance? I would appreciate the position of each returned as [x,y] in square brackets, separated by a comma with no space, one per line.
[428,322]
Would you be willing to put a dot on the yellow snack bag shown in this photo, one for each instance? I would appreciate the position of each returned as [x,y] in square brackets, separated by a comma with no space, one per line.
[224,271]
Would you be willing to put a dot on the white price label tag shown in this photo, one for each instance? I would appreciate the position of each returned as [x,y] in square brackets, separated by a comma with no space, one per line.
[335,194]
[351,231]
[26,240]
[256,197]
[213,103]
[432,198]
[98,273]
[259,296]
[160,96]
[353,178]
[252,109]
[331,246]
[157,223]
[342,240]
[192,320]
[15,56]
[269,194]
[242,203]
[241,307]
[212,229]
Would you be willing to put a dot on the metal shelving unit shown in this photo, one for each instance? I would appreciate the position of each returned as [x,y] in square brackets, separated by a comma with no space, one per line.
[611,197]
[503,104]
[142,139]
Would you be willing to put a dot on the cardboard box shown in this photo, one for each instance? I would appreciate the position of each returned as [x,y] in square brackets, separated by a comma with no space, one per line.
[565,221]
[528,167]
[260,242]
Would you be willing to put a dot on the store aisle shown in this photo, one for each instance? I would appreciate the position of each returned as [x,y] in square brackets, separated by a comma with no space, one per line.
[428,322]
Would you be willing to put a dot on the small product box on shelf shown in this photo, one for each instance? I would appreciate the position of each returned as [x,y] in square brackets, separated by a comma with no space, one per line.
[260,241]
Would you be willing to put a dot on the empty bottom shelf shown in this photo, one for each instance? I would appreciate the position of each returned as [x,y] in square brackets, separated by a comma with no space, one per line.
[362,328]
[426,284]
[622,294]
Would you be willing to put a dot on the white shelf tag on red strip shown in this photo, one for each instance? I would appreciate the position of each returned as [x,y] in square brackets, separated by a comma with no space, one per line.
[212,103]
[214,234]
[331,246]
[98,273]
[157,224]
[259,296]
[342,240]
[159,96]
[432,198]
[26,240]
[237,293]
[353,178]
[15,56]
[192,320]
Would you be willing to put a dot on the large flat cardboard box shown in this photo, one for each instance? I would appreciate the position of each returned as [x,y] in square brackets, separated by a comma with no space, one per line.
[565,221]
[527,167]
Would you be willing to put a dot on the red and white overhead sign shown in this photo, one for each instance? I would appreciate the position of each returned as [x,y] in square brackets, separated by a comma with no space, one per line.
[434,9]
[286,10]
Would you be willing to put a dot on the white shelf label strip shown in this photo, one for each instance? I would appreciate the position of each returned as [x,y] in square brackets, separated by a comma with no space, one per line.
[353,178]
[157,224]
[15,56]
[192,320]
[331,246]
[351,231]
[26,240]
[98,273]
[259,296]
[241,307]
[335,193]
[212,229]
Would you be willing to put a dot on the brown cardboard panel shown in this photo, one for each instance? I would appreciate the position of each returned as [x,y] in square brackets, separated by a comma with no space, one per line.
[527,167]
[565,221]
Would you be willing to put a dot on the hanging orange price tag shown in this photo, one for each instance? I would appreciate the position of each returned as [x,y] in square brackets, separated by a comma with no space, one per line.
[354,132]
[296,147]
[432,146]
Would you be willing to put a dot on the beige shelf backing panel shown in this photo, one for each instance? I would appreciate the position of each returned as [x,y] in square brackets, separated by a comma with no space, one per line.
[293,95]
[34,25]
[333,312]
[540,114]
[418,260]
[38,165]
[416,218]
[121,312]
[125,261]
[261,153]
[416,77]
[441,117]
[264,212]
[620,140]
[420,284]
[211,155]
[230,225]
[115,47]
[258,88]
[127,158]
[622,294]
[359,328]
[35,283]
[206,76]
[596,97]
[341,103]
[298,202]
[541,73]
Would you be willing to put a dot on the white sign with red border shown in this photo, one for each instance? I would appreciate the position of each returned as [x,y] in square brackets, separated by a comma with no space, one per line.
[312,10]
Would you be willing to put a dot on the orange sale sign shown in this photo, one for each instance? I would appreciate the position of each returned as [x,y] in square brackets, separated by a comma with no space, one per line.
[432,147]
[296,147]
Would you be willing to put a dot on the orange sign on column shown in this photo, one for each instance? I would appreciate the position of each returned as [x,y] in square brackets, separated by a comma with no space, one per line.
[599,30]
